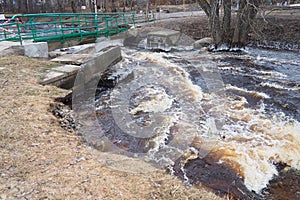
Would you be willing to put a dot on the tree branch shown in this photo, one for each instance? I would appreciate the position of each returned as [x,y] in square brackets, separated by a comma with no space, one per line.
[205,6]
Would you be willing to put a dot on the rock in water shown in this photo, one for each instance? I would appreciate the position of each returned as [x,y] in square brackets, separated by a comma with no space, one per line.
[204,42]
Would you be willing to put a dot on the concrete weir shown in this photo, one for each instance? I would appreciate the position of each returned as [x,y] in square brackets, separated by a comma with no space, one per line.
[162,40]
[86,66]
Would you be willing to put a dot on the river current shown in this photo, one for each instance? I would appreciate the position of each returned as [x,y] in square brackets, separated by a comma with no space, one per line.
[224,120]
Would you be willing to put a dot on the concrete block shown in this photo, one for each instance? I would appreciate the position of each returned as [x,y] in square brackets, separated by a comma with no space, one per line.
[36,50]
[74,59]
[163,40]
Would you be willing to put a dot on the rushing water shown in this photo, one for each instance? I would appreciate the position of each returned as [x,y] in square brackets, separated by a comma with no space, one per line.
[225,120]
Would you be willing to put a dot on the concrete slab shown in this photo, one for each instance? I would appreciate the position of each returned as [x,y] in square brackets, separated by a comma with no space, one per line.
[86,49]
[36,50]
[52,77]
[74,59]
[79,49]
[8,48]
[103,43]
[12,51]
[90,71]
[67,69]
[163,40]
[56,53]
[94,67]
[7,44]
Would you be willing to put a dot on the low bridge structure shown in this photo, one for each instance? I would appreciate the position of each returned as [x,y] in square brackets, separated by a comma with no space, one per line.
[49,27]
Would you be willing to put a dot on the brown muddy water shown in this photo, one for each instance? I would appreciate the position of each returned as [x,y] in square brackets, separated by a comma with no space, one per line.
[226,121]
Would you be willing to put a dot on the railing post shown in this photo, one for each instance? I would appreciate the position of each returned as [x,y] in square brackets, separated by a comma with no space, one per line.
[79,26]
[73,23]
[55,25]
[4,32]
[117,23]
[19,33]
[62,29]
[96,24]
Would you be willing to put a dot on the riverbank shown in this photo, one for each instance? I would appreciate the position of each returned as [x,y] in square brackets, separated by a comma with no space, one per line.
[274,28]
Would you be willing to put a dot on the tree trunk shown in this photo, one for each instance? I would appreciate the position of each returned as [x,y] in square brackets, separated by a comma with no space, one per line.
[113,6]
[131,5]
[221,33]
[205,6]
[19,6]
[60,6]
[247,13]
[9,6]
[226,39]
[73,6]
[237,40]
[214,22]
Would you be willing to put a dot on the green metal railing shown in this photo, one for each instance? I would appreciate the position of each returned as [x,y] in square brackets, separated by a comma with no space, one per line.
[64,26]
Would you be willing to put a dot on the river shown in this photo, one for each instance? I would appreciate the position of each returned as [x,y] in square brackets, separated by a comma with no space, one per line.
[226,120]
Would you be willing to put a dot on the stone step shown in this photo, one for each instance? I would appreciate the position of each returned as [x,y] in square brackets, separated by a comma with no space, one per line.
[62,76]
[67,69]
[73,59]
[79,49]
[92,66]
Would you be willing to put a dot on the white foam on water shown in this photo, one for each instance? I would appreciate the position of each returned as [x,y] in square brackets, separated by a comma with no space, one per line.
[279,87]
[271,73]
[255,158]
[272,56]
[180,76]
[232,68]
[159,101]
[254,93]
[254,142]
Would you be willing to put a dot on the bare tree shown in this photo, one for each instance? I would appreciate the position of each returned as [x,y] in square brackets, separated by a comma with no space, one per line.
[223,31]
[74,6]
[113,6]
